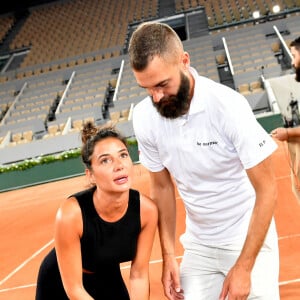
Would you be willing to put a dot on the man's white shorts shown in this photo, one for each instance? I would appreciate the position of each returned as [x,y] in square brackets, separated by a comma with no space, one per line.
[203,270]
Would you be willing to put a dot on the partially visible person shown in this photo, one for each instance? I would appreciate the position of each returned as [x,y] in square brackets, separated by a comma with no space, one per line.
[290,134]
[98,228]
[295,50]
[204,137]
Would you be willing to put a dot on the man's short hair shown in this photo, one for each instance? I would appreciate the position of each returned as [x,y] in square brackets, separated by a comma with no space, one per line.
[152,39]
[296,43]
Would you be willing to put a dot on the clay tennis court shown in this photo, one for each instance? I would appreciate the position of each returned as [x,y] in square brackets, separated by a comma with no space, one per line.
[27,219]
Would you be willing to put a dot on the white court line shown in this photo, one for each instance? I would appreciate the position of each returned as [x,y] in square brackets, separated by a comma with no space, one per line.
[289,281]
[289,236]
[25,262]
[18,287]
[156,261]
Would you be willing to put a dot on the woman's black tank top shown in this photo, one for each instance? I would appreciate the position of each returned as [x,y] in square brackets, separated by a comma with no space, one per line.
[106,244]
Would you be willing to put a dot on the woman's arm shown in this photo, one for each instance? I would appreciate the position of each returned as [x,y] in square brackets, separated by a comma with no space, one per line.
[68,230]
[139,272]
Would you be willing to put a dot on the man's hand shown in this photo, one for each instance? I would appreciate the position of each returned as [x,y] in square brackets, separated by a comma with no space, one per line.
[170,278]
[236,284]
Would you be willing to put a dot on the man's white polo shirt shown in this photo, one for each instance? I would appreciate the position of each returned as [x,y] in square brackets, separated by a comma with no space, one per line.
[207,151]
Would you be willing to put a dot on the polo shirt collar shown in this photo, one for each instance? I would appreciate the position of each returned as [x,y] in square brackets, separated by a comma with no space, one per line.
[196,102]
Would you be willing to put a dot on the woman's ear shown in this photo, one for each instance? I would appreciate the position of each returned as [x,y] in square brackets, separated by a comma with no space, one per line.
[90,176]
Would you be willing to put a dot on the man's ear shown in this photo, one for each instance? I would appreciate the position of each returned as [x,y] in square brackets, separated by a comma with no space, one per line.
[186,60]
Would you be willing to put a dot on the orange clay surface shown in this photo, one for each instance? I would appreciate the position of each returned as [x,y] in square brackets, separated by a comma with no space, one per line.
[27,219]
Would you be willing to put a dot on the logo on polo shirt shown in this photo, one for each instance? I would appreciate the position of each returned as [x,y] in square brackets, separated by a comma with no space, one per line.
[261,144]
[206,144]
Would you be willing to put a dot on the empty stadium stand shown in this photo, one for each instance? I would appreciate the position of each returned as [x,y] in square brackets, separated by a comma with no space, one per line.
[64,63]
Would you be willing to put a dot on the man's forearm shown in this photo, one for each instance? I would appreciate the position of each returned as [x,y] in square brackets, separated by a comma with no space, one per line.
[258,228]
[167,221]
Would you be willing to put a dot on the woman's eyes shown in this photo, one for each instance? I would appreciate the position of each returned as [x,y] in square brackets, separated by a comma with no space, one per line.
[124,155]
[107,160]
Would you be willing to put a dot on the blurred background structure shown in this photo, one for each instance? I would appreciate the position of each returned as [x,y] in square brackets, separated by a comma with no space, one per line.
[65,62]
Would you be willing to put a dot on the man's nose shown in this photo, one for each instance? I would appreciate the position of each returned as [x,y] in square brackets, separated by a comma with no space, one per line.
[156,93]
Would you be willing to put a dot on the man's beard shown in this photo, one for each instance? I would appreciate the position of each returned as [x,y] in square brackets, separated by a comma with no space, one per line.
[297,72]
[174,106]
